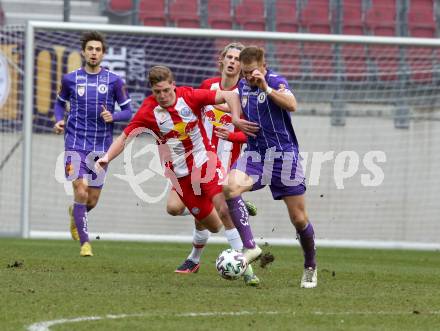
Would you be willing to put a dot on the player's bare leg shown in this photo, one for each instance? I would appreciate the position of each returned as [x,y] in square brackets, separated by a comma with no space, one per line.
[175,206]
[93,197]
[298,217]
[80,192]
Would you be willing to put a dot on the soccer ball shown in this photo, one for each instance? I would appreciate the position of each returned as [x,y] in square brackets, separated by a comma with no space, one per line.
[231,264]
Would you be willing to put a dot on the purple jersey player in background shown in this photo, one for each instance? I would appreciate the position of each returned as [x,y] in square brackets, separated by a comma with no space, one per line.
[271,157]
[92,92]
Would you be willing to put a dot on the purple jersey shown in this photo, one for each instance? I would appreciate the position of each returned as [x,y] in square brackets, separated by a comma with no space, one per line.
[276,128]
[85,130]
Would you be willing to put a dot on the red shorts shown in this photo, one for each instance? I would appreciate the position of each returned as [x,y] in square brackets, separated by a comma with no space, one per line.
[198,188]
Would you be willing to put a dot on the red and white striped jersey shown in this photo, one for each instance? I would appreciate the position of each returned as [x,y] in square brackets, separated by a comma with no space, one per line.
[227,151]
[179,127]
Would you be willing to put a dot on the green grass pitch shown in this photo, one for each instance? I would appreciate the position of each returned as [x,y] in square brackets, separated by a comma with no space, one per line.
[132,286]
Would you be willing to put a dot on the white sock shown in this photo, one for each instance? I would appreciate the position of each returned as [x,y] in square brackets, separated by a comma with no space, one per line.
[235,241]
[200,238]
[234,238]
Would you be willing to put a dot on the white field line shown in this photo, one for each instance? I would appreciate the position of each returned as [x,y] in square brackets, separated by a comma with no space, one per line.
[45,326]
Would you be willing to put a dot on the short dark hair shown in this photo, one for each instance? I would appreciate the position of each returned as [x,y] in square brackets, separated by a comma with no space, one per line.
[92,35]
[252,53]
[159,74]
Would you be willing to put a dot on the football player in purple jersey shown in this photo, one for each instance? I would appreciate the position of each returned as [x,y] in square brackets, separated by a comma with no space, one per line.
[271,157]
[92,92]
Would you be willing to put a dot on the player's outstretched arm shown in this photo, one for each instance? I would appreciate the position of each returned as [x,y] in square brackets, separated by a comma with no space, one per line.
[115,149]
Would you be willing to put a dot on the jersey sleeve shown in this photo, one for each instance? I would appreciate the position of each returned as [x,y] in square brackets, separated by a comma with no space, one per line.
[139,120]
[64,93]
[201,98]
[62,97]
[205,85]
[280,84]
[121,93]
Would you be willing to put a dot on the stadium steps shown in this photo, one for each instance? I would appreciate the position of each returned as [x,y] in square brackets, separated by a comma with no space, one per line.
[20,11]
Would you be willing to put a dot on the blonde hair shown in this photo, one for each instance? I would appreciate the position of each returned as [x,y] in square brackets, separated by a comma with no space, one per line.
[235,45]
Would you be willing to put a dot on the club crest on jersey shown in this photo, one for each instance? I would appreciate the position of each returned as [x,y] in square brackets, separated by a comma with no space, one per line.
[81,89]
[102,88]
[195,210]
[185,112]
[262,97]
[244,101]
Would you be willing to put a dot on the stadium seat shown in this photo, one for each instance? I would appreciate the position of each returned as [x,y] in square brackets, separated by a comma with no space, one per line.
[352,23]
[315,17]
[380,20]
[288,57]
[286,16]
[184,13]
[152,12]
[421,23]
[354,56]
[250,15]
[120,7]
[219,14]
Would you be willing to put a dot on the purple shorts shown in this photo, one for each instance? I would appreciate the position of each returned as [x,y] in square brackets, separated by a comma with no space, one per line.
[283,172]
[81,164]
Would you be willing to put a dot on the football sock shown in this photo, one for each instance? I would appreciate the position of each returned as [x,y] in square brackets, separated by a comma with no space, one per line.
[80,216]
[234,239]
[240,217]
[307,240]
[200,238]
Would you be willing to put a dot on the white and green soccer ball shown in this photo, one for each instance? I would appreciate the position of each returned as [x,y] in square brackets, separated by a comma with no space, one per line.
[231,264]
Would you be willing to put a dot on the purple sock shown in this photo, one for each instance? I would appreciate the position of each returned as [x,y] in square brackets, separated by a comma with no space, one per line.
[80,216]
[307,240]
[240,217]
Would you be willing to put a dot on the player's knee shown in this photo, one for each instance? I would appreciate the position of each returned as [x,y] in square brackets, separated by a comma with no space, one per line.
[299,218]
[91,205]
[215,228]
[174,210]
[81,194]
[223,212]
[231,190]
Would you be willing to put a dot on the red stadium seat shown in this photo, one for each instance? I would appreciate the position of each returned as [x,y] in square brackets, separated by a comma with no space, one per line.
[421,23]
[288,56]
[421,19]
[380,20]
[152,12]
[120,6]
[355,58]
[184,13]
[355,62]
[219,14]
[285,16]
[315,17]
[352,17]
[250,15]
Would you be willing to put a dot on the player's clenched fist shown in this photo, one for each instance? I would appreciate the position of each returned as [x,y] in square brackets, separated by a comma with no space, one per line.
[101,163]
[59,127]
